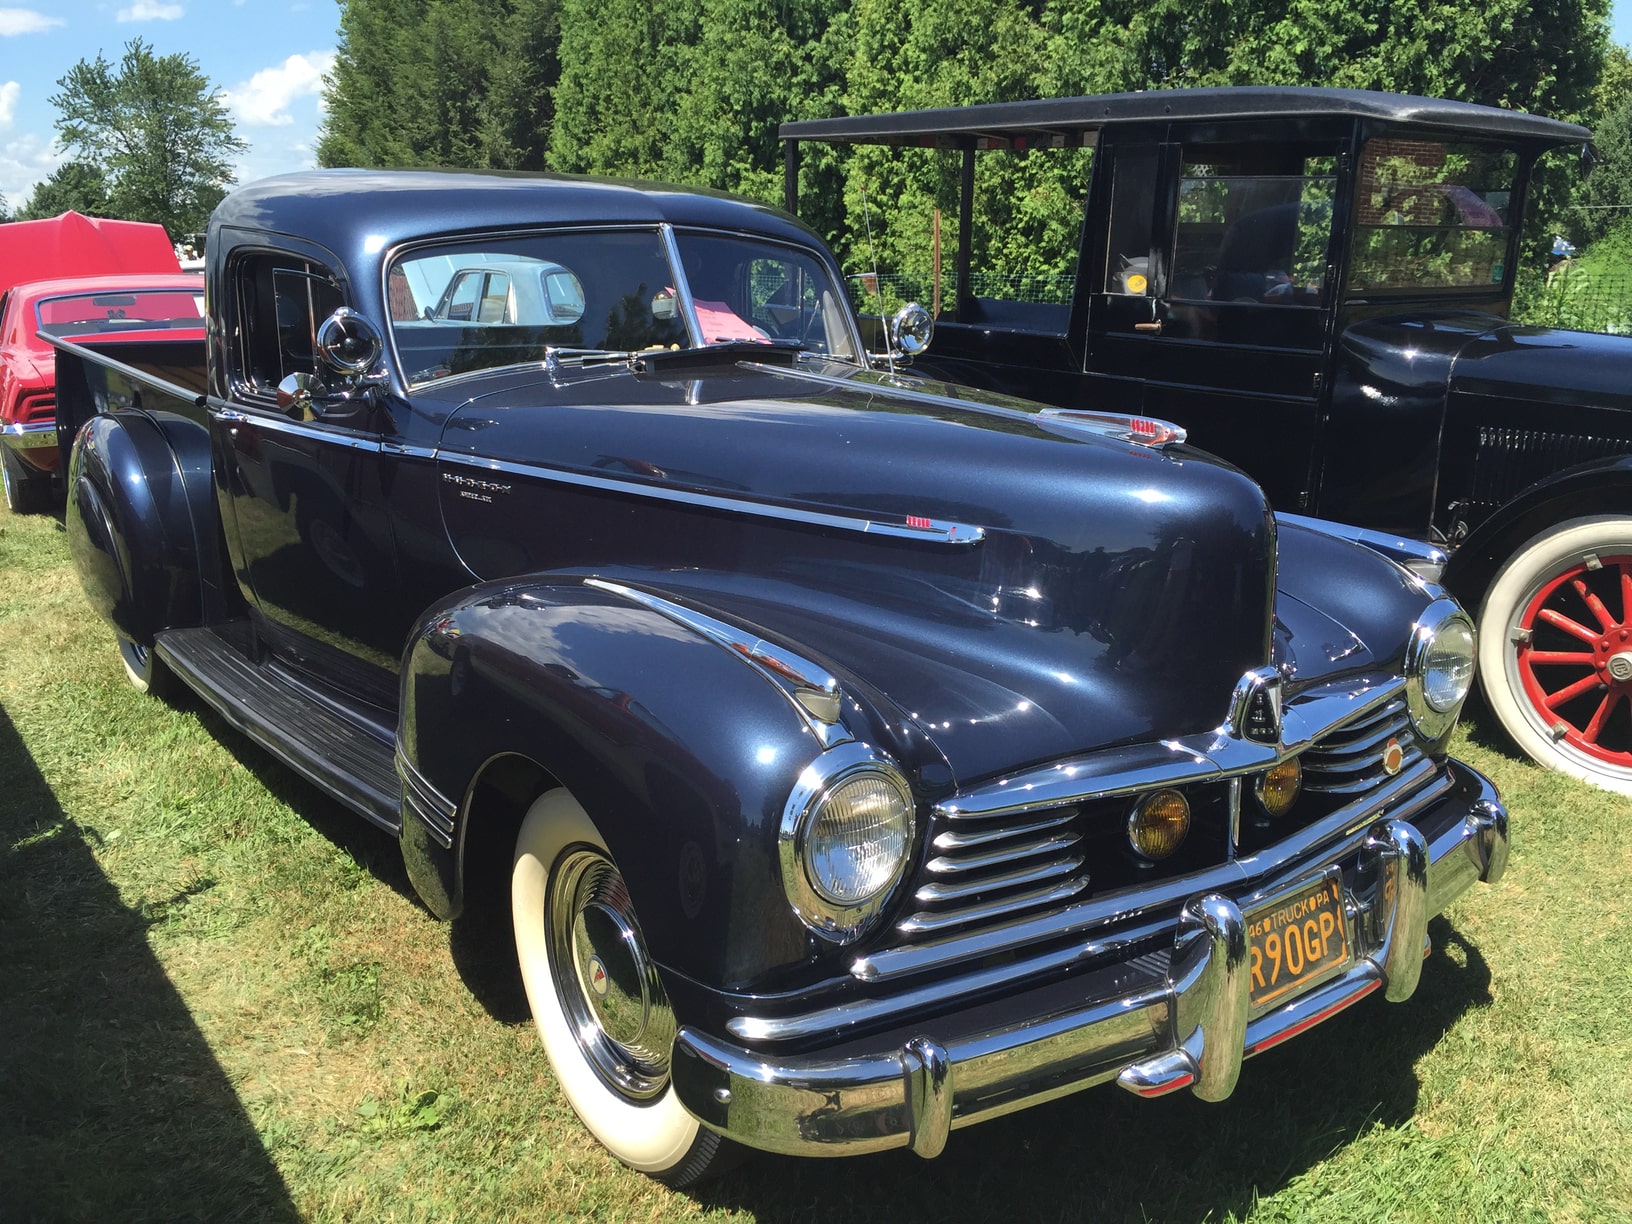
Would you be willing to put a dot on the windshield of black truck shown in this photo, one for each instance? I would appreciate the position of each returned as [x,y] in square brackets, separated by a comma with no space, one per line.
[509,300]
[1431,215]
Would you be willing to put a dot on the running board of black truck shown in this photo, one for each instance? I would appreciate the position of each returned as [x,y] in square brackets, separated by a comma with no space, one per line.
[344,757]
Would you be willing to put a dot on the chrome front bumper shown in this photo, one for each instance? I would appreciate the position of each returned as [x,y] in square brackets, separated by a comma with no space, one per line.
[1191,1031]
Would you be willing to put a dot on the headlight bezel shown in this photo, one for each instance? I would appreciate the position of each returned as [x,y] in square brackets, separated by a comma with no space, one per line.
[818,783]
[1432,718]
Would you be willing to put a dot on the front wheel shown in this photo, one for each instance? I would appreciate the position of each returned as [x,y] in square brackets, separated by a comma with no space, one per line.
[1555,649]
[596,997]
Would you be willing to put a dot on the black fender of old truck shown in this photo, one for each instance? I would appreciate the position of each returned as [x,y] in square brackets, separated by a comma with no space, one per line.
[140,502]
[133,525]
[682,751]
[1602,486]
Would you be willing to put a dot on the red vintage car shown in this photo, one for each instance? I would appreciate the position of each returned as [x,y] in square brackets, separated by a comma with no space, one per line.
[74,275]
[129,309]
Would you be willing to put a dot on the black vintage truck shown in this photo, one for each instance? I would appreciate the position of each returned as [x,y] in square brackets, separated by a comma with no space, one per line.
[855,761]
[1315,283]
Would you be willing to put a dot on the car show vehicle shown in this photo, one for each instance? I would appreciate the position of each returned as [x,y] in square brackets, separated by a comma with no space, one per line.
[857,758]
[1316,284]
[73,274]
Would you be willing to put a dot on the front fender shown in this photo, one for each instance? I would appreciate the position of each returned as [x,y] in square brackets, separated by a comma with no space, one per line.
[682,754]
[1602,486]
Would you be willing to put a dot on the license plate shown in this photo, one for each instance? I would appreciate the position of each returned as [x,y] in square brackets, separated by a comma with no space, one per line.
[1296,939]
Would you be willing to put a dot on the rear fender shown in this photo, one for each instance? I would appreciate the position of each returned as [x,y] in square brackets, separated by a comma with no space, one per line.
[135,490]
[682,753]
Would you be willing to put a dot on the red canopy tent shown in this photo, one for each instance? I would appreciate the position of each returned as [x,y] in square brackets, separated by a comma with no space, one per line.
[75,245]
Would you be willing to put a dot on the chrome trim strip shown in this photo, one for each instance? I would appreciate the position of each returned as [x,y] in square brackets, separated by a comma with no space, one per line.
[1032,847]
[1420,557]
[811,689]
[933,531]
[929,921]
[435,811]
[1339,833]
[1212,756]
[954,840]
[272,422]
[866,380]
[1035,873]
[33,435]
[682,287]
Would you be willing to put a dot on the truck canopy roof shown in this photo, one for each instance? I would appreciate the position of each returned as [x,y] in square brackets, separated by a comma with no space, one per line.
[1073,121]
[75,245]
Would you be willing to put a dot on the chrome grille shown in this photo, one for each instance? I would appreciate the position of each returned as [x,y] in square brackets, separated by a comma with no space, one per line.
[986,868]
[1349,759]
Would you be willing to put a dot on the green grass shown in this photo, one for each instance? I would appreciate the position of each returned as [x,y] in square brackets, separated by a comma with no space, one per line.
[220,1001]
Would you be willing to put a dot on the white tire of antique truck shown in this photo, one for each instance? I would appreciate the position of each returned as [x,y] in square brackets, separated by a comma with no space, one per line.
[1555,647]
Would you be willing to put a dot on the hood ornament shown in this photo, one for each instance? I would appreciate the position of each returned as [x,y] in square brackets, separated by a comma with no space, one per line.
[1255,707]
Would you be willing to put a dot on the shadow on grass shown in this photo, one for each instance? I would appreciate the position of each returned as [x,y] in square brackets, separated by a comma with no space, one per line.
[1105,1155]
[481,943]
[111,1104]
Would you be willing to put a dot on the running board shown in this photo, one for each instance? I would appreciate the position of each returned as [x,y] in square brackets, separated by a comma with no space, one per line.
[336,753]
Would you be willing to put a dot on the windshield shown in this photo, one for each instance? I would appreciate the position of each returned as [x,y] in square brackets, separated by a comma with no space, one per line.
[476,305]
[89,314]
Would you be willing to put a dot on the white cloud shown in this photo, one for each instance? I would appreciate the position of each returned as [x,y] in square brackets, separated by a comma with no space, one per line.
[264,99]
[24,163]
[25,21]
[146,10]
[8,103]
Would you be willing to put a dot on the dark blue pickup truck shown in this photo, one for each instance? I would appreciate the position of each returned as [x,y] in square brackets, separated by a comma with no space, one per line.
[857,758]
[1315,283]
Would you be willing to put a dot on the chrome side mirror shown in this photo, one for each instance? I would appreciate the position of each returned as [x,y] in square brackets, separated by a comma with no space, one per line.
[911,330]
[296,394]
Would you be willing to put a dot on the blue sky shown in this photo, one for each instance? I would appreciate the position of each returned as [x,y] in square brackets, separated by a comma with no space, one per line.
[266,56]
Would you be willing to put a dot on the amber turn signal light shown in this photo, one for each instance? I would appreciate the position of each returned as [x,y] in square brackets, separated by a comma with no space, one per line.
[1277,787]
[1158,823]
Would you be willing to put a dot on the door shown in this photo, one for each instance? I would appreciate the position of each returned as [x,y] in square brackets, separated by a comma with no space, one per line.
[1212,306]
[310,538]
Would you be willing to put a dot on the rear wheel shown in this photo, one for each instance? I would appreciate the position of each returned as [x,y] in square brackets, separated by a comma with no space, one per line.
[600,1007]
[143,668]
[1555,649]
[27,491]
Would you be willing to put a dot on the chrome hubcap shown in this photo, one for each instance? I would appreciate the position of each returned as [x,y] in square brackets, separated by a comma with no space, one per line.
[617,1007]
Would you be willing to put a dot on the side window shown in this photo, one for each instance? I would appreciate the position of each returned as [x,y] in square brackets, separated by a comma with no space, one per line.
[1431,215]
[1133,196]
[1254,224]
[281,300]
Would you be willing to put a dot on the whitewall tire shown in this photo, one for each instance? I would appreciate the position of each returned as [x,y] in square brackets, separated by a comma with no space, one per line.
[601,1011]
[1555,649]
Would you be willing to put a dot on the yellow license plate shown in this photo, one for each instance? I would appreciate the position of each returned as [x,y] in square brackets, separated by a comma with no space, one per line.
[1295,939]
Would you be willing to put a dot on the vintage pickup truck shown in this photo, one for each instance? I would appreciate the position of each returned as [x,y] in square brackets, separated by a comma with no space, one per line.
[857,758]
[1315,283]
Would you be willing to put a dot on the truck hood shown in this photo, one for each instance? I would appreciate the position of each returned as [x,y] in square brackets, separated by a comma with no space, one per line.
[1067,590]
[1544,365]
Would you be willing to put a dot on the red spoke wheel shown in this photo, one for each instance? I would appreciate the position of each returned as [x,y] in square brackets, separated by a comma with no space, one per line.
[1555,649]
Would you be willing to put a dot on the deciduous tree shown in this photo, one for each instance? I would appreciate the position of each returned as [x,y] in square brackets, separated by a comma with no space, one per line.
[156,128]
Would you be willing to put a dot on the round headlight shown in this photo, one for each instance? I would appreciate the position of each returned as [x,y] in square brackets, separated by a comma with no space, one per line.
[1439,667]
[1158,823]
[846,835]
[1278,786]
